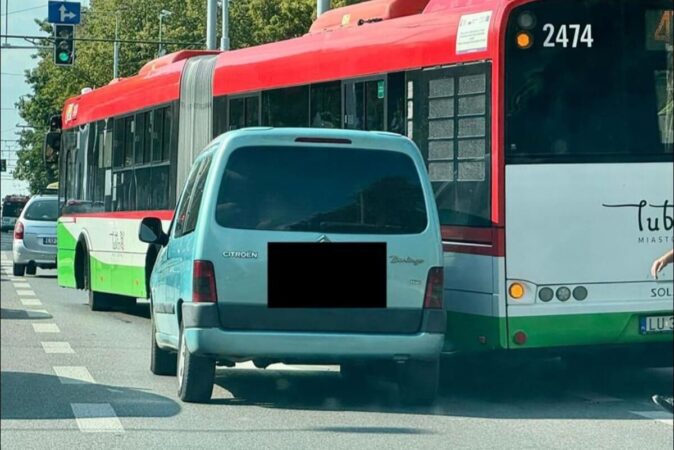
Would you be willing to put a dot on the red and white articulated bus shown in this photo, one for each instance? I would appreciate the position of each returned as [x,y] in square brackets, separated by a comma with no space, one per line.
[546,126]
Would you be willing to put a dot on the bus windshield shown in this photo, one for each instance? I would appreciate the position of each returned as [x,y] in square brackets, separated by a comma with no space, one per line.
[590,81]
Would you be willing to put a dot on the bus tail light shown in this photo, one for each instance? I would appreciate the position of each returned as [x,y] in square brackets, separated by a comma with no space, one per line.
[516,291]
[563,294]
[546,294]
[580,293]
[203,282]
[520,337]
[18,231]
[434,288]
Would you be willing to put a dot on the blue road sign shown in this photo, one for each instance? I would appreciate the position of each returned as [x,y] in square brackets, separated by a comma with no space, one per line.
[64,13]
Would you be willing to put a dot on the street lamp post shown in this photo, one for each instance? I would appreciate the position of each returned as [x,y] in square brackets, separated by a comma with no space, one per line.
[162,14]
[224,40]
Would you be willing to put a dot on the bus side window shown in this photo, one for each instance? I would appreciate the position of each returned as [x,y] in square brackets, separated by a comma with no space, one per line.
[450,121]
[326,105]
[288,107]
[395,102]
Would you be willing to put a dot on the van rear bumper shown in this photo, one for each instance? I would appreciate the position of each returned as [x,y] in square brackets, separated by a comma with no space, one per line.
[388,321]
[310,335]
[327,347]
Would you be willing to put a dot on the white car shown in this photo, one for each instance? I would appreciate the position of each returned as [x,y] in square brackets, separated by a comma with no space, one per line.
[35,236]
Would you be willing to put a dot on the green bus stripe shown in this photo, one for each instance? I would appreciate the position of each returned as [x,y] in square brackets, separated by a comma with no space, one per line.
[112,278]
[584,329]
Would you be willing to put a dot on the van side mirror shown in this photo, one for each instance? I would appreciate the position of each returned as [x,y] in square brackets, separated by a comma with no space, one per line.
[151,231]
[52,146]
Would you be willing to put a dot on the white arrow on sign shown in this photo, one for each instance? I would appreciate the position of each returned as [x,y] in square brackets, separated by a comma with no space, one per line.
[65,14]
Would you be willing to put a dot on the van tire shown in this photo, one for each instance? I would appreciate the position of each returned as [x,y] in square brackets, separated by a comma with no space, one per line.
[418,381]
[196,374]
[162,362]
[18,270]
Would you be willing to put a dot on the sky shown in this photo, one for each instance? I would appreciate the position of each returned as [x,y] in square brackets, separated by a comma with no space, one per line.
[13,63]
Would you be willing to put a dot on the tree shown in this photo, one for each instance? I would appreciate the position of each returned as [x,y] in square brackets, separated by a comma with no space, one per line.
[252,22]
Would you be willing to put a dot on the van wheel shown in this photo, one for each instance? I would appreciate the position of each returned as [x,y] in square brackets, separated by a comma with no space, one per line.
[418,381]
[162,362]
[19,270]
[31,270]
[196,374]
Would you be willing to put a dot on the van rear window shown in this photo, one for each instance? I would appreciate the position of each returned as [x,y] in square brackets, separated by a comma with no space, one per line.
[337,190]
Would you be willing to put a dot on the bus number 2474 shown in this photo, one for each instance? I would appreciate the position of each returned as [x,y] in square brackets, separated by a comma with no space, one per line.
[568,35]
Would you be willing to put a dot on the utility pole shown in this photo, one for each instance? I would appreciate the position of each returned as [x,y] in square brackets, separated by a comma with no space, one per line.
[211,20]
[162,14]
[224,41]
[115,49]
[322,6]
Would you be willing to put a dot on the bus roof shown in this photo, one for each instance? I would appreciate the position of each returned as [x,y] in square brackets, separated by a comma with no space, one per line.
[418,40]
[15,199]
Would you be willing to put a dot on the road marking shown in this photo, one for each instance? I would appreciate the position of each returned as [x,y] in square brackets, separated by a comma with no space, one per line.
[38,314]
[15,279]
[73,375]
[21,286]
[57,347]
[46,328]
[26,293]
[96,418]
[30,302]
[658,416]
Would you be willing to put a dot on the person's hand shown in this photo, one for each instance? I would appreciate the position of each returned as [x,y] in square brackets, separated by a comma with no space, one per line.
[657,266]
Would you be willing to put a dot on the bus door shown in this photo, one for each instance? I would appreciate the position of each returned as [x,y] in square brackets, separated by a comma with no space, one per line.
[364,102]
[244,111]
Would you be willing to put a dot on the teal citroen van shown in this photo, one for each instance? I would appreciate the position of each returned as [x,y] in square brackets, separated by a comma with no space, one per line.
[308,246]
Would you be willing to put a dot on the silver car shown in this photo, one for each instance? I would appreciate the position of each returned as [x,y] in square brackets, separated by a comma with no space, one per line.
[35,236]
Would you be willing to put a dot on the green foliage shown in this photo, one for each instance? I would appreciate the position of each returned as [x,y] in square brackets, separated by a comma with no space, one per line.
[252,22]
[256,22]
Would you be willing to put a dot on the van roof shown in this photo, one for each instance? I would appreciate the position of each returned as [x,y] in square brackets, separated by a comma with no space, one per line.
[313,136]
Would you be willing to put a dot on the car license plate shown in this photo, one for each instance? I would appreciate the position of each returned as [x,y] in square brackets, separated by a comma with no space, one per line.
[656,324]
[49,241]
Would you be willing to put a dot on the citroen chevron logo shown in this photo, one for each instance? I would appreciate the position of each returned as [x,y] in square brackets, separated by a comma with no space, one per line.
[323,239]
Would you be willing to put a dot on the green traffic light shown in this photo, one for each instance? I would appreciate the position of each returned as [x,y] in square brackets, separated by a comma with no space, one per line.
[64,57]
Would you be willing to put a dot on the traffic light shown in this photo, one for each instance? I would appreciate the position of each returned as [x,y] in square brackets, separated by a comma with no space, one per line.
[64,45]
[3,165]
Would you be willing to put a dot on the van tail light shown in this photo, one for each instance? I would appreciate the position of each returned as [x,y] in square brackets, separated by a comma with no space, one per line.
[18,231]
[203,282]
[434,288]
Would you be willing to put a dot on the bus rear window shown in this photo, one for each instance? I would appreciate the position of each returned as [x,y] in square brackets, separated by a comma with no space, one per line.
[12,209]
[590,80]
[338,190]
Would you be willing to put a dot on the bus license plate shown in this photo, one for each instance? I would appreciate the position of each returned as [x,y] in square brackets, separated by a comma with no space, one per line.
[656,324]
[49,241]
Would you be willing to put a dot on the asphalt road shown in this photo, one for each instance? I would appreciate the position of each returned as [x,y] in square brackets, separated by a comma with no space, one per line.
[76,379]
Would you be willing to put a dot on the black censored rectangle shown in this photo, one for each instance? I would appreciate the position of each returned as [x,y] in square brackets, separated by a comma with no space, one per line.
[326,275]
